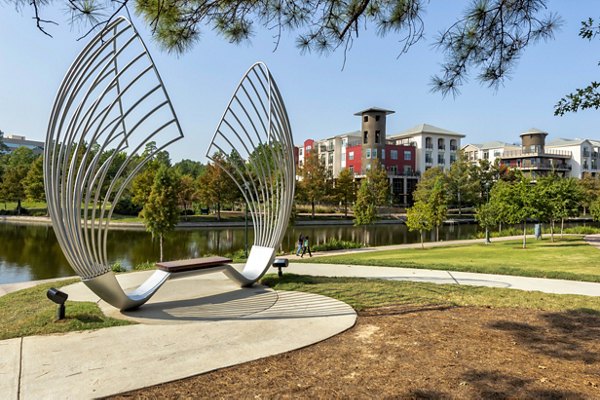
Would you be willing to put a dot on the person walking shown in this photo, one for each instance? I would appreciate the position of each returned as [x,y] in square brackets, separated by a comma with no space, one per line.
[300,244]
[306,247]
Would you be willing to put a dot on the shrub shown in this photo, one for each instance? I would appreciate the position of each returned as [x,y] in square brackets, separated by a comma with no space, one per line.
[126,206]
[145,266]
[118,267]
[335,244]
[580,230]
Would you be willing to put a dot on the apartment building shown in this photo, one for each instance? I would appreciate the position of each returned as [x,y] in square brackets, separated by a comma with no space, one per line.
[13,142]
[435,147]
[534,159]
[584,155]
[404,155]
[487,151]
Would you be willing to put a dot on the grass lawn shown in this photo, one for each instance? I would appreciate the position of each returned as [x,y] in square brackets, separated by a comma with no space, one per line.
[569,258]
[363,294]
[29,312]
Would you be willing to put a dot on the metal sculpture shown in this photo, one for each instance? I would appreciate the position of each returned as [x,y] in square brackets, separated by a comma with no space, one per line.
[112,99]
[253,145]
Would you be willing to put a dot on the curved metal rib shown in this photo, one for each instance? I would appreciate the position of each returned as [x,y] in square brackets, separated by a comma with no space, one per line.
[255,147]
[111,99]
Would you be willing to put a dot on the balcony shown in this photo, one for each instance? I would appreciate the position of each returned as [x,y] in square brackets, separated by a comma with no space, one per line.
[544,165]
[527,153]
[442,147]
[453,148]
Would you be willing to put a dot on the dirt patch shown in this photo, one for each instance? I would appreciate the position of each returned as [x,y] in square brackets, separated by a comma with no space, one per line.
[423,353]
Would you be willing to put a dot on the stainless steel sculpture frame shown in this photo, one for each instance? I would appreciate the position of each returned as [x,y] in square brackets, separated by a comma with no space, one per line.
[113,98]
[254,145]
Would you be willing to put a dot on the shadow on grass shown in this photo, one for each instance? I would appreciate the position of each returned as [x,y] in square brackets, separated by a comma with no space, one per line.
[566,335]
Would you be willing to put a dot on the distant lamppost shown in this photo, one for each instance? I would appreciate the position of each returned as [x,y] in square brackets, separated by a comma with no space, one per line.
[487,201]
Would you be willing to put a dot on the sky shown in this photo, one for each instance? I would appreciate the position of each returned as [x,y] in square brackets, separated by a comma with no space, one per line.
[321,96]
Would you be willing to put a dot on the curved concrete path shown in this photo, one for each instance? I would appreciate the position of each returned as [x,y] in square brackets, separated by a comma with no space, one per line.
[192,325]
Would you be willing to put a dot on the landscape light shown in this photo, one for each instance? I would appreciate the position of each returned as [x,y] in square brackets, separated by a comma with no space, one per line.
[59,298]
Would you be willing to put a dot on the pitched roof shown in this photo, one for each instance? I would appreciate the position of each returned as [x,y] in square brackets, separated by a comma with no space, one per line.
[374,109]
[426,128]
[533,131]
[565,142]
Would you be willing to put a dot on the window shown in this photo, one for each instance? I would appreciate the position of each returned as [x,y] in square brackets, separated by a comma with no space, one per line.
[441,144]
[366,118]
[394,170]
[377,136]
[428,143]
[377,118]
[365,137]
[352,168]
[408,170]
[374,153]
[394,154]
[383,154]
[351,156]
[308,148]
[300,150]
[368,154]
[407,155]
[486,155]
[496,153]
[440,159]
[453,146]
[428,158]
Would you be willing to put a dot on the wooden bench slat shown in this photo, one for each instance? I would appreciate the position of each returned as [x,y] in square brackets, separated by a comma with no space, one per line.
[192,264]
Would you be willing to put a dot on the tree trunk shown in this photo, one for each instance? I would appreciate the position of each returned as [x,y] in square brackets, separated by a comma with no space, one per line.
[19,207]
[160,241]
[562,226]
[584,210]
[422,241]
[345,208]
[312,204]
[487,236]
[499,228]
[437,233]
[524,235]
[552,231]
[219,211]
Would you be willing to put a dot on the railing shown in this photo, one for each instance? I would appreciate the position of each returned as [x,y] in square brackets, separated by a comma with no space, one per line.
[527,153]
[545,165]
[441,147]
[453,148]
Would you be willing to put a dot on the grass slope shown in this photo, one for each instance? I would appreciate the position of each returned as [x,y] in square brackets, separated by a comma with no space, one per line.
[363,294]
[29,312]
[570,258]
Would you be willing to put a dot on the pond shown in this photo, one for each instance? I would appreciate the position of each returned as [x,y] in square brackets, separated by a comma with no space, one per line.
[31,252]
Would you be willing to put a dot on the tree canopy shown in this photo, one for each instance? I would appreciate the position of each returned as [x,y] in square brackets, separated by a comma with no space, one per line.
[488,37]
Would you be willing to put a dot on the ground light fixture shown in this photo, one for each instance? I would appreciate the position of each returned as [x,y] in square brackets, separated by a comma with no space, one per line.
[59,298]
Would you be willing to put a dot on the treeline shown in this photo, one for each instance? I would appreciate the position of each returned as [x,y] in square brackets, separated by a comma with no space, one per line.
[499,195]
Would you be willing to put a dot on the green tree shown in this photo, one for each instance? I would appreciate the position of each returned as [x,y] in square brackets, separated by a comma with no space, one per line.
[186,193]
[374,192]
[432,190]
[160,212]
[17,165]
[462,182]
[189,167]
[515,202]
[314,180]
[345,190]
[34,181]
[215,187]
[419,217]
[488,36]
[590,189]
[487,217]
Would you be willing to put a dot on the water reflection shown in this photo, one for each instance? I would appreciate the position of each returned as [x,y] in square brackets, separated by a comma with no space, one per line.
[30,252]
